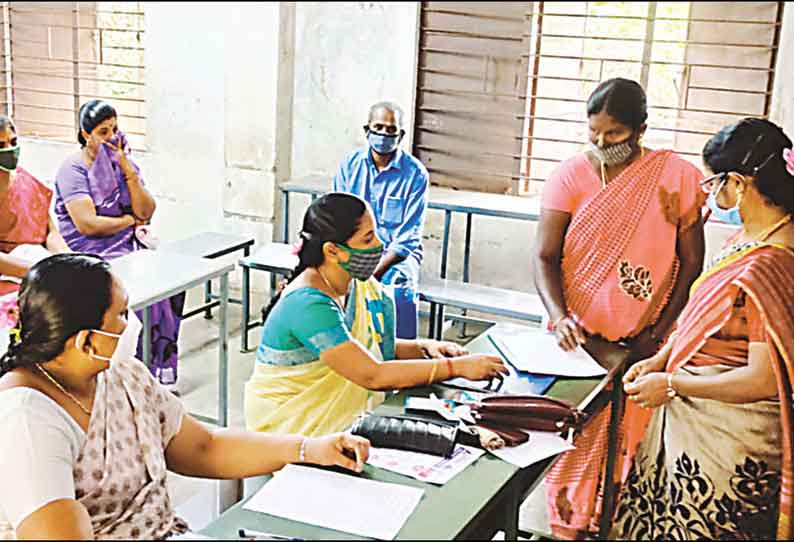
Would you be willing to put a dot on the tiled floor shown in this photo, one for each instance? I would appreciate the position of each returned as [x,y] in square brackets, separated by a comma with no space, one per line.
[196,499]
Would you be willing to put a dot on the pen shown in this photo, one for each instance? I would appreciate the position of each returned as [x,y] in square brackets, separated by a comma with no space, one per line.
[254,535]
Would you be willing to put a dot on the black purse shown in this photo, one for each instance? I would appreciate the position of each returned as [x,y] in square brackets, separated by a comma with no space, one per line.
[407,433]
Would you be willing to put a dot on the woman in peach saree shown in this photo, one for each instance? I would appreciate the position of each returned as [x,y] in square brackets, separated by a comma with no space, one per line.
[717,458]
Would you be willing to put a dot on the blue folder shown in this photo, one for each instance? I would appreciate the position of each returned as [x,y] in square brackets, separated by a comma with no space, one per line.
[516,383]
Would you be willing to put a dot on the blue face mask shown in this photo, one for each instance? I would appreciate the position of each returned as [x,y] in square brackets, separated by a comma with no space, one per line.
[383,144]
[729,216]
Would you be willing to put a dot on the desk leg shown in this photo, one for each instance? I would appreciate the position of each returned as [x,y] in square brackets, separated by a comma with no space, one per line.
[230,492]
[511,513]
[608,506]
[285,215]
[223,354]
[445,243]
[431,321]
[439,322]
[466,261]
[208,298]
[246,308]
[147,336]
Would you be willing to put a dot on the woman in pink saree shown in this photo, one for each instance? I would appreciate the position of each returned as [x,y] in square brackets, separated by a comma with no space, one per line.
[24,212]
[620,241]
[88,433]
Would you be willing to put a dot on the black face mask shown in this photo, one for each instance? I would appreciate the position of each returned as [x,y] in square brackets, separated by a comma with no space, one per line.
[9,158]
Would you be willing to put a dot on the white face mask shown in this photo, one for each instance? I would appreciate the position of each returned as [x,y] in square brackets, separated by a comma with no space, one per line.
[127,342]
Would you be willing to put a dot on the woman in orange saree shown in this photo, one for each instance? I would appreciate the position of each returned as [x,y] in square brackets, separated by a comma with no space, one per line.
[620,241]
[717,459]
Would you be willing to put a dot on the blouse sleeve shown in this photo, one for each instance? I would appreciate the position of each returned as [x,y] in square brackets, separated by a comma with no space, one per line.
[559,190]
[72,181]
[322,326]
[38,457]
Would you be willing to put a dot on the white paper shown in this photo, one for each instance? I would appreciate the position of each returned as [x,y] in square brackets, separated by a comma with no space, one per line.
[541,445]
[429,468]
[190,535]
[30,254]
[337,501]
[539,353]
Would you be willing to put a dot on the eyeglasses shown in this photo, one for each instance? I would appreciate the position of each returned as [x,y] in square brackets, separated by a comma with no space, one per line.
[715,182]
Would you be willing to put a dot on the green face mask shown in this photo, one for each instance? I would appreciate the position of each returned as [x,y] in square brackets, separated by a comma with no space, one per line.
[362,262]
[9,158]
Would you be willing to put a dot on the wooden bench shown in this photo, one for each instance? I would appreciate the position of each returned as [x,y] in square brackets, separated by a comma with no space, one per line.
[277,259]
[209,245]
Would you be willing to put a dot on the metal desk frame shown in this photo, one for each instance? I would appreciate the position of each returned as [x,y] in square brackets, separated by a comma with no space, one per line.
[436,314]
[147,301]
[502,510]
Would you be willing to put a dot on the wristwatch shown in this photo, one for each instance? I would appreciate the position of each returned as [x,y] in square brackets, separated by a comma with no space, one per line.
[671,393]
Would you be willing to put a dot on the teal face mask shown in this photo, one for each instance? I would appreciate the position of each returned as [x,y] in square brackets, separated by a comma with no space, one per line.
[9,158]
[362,262]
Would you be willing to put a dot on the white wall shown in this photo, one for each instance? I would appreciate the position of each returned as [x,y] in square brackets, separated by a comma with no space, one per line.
[216,117]
[349,55]
[783,91]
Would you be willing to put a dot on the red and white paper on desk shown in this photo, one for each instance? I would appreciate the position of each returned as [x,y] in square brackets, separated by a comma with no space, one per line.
[428,468]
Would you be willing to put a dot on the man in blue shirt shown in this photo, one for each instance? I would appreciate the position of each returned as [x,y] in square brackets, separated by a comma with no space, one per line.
[395,185]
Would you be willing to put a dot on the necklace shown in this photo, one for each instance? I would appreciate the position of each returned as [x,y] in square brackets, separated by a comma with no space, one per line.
[69,395]
[330,287]
[738,247]
[764,235]
[604,169]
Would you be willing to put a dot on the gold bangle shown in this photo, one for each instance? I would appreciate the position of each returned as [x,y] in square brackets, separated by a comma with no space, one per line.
[433,372]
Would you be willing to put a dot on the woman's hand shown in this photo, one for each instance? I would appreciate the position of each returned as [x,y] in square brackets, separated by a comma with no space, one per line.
[121,153]
[569,334]
[130,220]
[341,449]
[441,349]
[649,390]
[653,364]
[479,367]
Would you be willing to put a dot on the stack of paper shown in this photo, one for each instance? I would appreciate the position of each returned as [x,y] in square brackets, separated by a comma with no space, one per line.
[429,468]
[337,501]
[538,352]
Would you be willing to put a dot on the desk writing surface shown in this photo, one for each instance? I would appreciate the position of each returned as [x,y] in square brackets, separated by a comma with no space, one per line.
[208,244]
[152,275]
[444,198]
[445,510]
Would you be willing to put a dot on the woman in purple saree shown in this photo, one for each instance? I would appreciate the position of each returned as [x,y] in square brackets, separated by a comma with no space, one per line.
[100,201]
